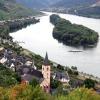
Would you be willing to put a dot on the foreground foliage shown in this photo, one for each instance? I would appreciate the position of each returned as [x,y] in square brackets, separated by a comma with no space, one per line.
[8,77]
[80,94]
[29,92]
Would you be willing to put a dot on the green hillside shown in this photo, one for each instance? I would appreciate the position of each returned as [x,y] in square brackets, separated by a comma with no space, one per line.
[73,3]
[9,9]
[87,8]
[37,4]
[93,12]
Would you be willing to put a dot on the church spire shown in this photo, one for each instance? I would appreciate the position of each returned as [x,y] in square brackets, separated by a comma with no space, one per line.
[46,61]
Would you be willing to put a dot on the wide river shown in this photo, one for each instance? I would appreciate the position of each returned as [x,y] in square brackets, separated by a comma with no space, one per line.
[38,39]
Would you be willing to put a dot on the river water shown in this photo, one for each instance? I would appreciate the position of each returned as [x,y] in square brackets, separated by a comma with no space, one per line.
[38,39]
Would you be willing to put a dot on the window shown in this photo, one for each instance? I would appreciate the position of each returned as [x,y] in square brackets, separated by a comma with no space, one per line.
[47,87]
[47,75]
[47,68]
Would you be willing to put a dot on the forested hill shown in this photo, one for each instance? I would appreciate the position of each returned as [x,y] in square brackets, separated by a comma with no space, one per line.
[9,9]
[87,8]
[78,7]
[37,4]
[73,3]
[91,11]
[34,3]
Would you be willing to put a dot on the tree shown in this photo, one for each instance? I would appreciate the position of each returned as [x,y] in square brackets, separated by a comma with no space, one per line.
[72,34]
[8,77]
[89,83]
[34,82]
[80,94]
[55,83]
[27,92]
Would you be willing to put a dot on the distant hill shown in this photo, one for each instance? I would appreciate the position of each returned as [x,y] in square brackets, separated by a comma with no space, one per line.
[37,4]
[96,4]
[9,9]
[73,3]
[90,11]
[88,8]
[34,3]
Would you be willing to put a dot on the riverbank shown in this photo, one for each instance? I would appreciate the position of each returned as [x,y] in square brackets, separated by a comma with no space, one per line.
[73,12]
[17,24]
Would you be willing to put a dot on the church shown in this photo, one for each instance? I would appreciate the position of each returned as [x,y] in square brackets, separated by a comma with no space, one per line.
[27,73]
[46,71]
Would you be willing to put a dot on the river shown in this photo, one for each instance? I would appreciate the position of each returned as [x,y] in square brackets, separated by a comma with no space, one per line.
[38,39]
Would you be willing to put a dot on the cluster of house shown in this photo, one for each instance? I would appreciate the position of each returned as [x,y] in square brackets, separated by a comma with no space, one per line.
[25,67]
[6,41]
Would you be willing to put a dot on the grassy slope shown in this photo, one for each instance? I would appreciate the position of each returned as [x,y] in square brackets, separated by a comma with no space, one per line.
[9,9]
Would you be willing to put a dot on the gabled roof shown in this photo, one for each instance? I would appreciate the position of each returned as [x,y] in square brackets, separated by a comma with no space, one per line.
[29,72]
[60,75]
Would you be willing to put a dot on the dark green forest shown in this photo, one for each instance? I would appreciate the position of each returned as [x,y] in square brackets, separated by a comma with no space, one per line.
[72,34]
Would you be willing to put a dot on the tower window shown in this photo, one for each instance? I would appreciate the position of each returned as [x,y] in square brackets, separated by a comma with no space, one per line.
[47,68]
[47,75]
[47,87]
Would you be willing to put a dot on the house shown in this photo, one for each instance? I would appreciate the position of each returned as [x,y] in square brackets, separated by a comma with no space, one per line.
[62,77]
[3,60]
[28,63]
[1,48]
[27,73]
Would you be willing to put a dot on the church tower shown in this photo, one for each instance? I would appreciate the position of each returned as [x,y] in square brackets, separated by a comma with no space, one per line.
[46,70]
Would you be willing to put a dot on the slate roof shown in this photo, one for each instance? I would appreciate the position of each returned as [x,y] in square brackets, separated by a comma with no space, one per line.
[26,72]
[59,75]
[29,73]
[46,61]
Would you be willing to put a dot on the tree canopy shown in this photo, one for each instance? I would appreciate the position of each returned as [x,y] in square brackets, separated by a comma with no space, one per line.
[72,34]
[27,92]
[8,77]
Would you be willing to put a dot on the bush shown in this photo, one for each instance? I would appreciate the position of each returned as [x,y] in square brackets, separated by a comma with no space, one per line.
[89,83]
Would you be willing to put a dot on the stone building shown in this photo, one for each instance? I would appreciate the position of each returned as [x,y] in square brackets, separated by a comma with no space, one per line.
[46,71]
[27,74]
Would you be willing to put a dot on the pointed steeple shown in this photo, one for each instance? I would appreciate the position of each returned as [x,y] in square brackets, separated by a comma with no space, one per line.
[46,61]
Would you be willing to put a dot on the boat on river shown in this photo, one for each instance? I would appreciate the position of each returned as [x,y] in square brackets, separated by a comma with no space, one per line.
[75,51]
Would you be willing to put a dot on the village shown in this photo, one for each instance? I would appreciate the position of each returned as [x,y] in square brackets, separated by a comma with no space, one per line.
[50,75]
[24,66]
[27,68]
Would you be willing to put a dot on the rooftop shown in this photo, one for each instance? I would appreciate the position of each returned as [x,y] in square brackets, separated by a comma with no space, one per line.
[46,61]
